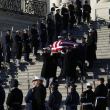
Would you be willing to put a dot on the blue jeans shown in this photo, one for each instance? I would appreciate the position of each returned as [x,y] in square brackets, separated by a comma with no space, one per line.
[26,56]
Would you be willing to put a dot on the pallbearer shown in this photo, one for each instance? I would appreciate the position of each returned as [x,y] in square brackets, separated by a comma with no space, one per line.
[87,98]
[18,41]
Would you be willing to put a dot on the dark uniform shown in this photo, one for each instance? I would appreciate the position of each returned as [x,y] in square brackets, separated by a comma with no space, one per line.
[72,99]
[43,34]
[55,98]
[50,28]
[58,24]
[26,46]
[18,41]
[2,96]
[100,94]
[35,39]
[87,99]
[39,95]
[53,8]
[15,97]
[28,98]
[7,48]
[71,40]
[1,51]
[65,14]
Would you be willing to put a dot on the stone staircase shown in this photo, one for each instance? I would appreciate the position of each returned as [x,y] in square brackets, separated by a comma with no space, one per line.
[34,66]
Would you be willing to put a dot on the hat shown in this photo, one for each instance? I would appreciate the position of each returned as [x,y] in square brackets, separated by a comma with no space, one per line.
[69,34]
[90,31]
[73,85]
[54,84]
[8,31]
[45,48]
[38,78]
[71,1]
[25,29]
[58,10]
[14,83]
[101,79]
[17,31]
[76,45]
[1,80]
[60,37]
[68,47]
[90,24]
[83,38]
[86,1]
[43,18]
[34,25]
[89,84]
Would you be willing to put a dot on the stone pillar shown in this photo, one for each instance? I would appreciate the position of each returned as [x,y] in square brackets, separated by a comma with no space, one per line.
[101,1]
[23,5]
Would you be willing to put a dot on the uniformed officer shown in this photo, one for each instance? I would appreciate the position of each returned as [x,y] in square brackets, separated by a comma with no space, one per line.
[7,46]
[86,12]
[26,44]
[43,33]
[65,14]
[58,23]
[39,95]
[72,99]
[1,52]
[29,96]
[55,98]
[15,97]
[53,8]
[2,96]
[35,39]
[70,38]
[100,94]
[88,98]
[50,28]
[18,41]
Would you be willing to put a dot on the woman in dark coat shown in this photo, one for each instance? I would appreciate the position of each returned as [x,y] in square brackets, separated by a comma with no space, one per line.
[18,42]
[91,55]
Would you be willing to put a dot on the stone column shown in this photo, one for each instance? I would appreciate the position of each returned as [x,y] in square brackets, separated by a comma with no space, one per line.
[101,1]
[57,2]
[23,5]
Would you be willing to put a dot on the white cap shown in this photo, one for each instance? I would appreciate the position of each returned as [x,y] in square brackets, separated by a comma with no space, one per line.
[46,48]
[89,84]
[38,78]
[60,37]
[25,29]
[18,31]
[75,44]
[91,30]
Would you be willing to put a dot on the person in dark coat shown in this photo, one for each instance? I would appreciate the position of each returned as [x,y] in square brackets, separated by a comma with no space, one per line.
[88,98]
[18,41]
[35,39]
[91,54]
[7,47]
[86,12]
[108,94]
[100,94]
[43,33]
[2,96]
[55,98]
[47,69]
[65,14]
[26,45]
[72,99]
[95,33]
[39,94]
[29,96]
[58,23]
[1,55]
[54,7]
[50,28]
[71,14]
[15,97]
[70,38]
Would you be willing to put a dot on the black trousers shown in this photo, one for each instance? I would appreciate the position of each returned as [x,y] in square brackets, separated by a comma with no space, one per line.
[86,16]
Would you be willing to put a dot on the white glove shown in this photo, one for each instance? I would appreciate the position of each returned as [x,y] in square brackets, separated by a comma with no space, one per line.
[51,54]
[62,53]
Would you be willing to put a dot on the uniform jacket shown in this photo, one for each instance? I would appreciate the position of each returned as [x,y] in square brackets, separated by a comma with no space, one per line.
[86,8]
[7,43]
[72,40]
[15,96]
[2,98]
[88,96]
[53,8]
[101,91]
[55,99]
[78,8]
[28,98]
[38,101]
[64,12]
[72,99]
[71,9]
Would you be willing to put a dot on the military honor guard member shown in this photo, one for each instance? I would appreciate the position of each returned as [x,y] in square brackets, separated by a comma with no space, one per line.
[39,95]
[72,99]
[70,38]
[54,7]
[35,39]
[15,97]
[65,14]
[18,41]
[43,33]
[55,97]
[100,94]
[26,44]
[2,96]
[58,23]
[1,52]
[7,46]
[29,96]
[50,28]
[88,98]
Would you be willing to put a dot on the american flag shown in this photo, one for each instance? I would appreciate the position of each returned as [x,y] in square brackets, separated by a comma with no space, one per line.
[59,45]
